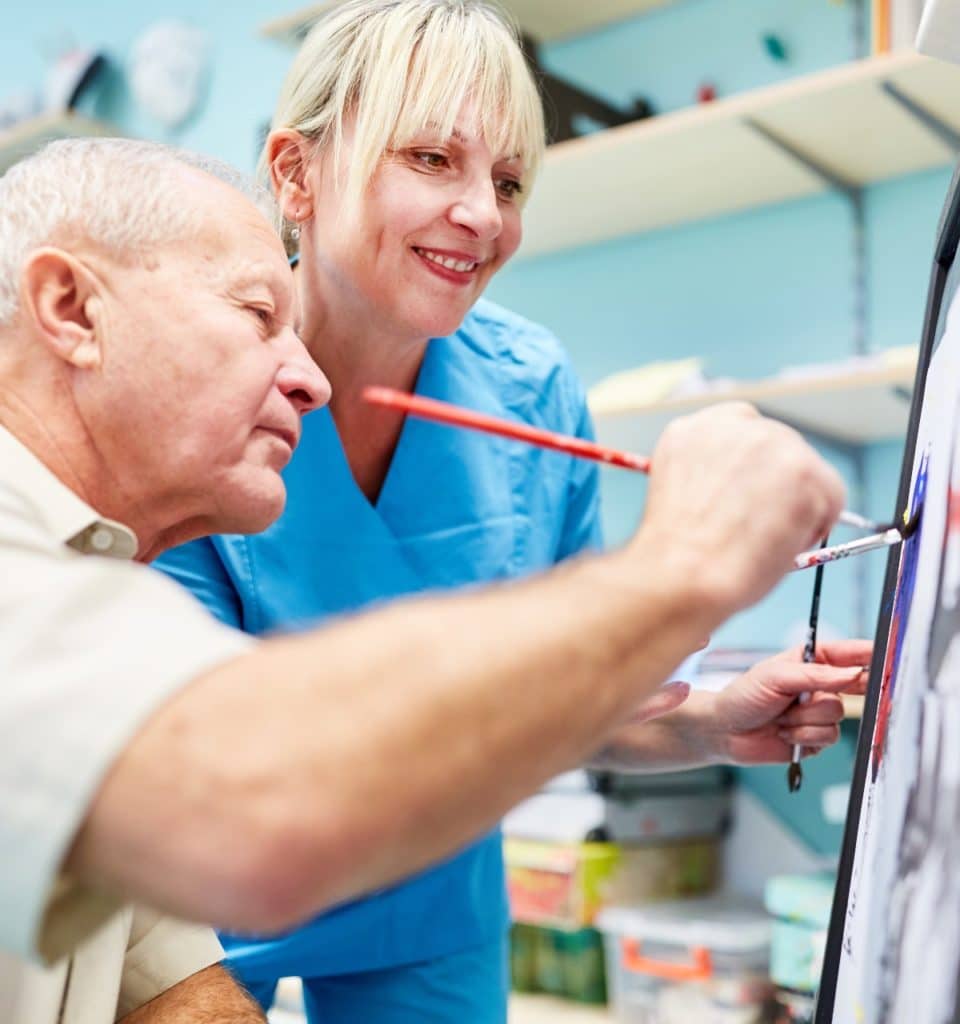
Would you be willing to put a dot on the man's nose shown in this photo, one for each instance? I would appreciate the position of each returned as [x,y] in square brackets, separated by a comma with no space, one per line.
[302,382]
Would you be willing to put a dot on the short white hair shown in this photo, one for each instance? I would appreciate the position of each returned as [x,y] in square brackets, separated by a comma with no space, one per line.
[397,66]
[124,195]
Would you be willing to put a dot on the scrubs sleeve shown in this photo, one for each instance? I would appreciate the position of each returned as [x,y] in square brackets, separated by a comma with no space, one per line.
[199,567]
[581,523]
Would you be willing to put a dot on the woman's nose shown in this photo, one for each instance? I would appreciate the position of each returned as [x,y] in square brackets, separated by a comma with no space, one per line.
[478,210]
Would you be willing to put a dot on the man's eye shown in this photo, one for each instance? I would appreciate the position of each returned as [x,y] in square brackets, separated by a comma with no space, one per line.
[265,316]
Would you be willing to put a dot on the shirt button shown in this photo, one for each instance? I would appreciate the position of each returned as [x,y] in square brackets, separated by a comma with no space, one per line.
[101,539]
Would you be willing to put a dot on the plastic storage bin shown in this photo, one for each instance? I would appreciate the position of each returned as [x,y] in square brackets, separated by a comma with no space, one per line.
[801,905]
[564,885]
[567,964]
[693,960]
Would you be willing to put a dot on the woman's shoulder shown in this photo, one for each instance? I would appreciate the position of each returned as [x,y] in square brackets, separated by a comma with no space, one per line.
[501,333]
[528,354]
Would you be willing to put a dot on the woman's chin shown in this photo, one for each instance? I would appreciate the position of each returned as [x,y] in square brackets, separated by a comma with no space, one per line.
[439,321]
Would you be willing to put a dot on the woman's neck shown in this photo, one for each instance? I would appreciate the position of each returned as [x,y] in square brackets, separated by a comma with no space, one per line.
[355,352]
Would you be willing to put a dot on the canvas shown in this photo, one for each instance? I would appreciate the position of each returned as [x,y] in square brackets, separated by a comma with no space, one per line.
[893,953]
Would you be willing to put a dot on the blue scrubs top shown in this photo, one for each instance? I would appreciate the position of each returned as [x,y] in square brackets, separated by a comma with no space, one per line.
[456,508]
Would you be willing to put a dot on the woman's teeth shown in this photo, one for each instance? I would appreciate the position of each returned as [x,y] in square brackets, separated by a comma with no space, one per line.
[461,266]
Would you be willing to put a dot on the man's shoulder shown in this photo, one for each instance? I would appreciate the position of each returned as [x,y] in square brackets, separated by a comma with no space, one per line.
[21,522]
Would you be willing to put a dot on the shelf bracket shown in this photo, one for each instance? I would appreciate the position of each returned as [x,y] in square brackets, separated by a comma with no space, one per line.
[830,178]
[937,127]
[854,194]
[565,102]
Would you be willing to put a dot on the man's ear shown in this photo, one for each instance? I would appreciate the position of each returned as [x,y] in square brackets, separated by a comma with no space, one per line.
[58,293]
[288,154]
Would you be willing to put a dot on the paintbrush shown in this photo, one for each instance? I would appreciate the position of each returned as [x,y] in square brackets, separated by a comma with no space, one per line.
[457,416]
[820,558]
[795,771]
[884,539]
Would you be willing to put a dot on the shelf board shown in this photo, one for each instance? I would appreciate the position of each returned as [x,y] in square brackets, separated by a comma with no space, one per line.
[707,160]
[529,1009]
[27,137]
[854,407]
[546,20]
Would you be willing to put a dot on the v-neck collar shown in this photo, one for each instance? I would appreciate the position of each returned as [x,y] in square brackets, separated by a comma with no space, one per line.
[439,477]
[430,380]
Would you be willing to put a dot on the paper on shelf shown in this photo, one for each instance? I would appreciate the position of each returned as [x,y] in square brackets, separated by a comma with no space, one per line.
[904,356]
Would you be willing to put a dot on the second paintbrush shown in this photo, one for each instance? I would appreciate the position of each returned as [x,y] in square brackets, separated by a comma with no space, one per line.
[884,539]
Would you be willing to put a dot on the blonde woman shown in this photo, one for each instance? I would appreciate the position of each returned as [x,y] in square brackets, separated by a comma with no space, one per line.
[405,142]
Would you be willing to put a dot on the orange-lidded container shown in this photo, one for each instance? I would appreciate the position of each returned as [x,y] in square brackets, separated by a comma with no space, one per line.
[672,963]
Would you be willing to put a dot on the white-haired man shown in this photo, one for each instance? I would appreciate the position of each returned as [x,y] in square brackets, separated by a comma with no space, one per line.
[140,375]
[150,377]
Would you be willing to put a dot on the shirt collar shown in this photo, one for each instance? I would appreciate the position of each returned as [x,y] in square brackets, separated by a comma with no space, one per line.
[68,517]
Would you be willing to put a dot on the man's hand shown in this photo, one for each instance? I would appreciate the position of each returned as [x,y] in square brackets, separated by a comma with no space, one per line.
[210,996]
[733,498]
[759,715]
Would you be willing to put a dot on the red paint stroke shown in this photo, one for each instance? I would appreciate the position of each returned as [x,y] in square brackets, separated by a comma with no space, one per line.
[953,512]
[903,599]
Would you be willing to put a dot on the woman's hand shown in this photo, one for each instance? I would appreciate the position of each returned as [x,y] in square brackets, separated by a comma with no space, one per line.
[759,715]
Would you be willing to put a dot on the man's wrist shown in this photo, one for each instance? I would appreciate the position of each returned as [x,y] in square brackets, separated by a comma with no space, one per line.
[682,576]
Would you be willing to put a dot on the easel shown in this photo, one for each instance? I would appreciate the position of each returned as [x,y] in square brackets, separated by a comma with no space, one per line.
[944,282]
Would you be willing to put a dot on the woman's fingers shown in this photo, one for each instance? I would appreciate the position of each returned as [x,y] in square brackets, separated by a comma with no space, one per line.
[810,735]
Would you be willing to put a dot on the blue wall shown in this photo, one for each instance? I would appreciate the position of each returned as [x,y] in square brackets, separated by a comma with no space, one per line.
[749,293]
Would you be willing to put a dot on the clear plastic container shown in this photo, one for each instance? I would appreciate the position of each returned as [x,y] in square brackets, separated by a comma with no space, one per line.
[691,960]
[566,964]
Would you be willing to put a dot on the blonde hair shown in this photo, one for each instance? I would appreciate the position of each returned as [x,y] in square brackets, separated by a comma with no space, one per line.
[397,66]
[123,194]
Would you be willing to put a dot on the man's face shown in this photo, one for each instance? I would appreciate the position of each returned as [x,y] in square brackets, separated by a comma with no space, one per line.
[196,407]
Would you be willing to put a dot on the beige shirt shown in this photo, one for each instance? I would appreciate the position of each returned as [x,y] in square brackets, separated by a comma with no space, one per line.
[89,648]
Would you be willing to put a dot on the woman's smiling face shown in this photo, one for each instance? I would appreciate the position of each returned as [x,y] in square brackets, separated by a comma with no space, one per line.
[438,219]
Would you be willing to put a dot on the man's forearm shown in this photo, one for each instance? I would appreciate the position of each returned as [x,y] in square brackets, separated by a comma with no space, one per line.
[210,996]
[322,766]
[325,765]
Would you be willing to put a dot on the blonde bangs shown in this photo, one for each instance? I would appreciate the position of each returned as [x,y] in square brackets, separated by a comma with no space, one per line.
[473,56]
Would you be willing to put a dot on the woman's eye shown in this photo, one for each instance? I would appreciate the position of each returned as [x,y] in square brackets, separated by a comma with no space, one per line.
[509,188]
[434,161]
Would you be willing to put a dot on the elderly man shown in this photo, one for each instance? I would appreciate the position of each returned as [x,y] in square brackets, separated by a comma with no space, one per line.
[151,388]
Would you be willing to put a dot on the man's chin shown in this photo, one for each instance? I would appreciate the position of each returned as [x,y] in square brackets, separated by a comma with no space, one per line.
[254,513]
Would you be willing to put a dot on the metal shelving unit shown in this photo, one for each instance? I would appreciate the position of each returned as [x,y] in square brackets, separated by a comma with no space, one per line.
[840,129]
